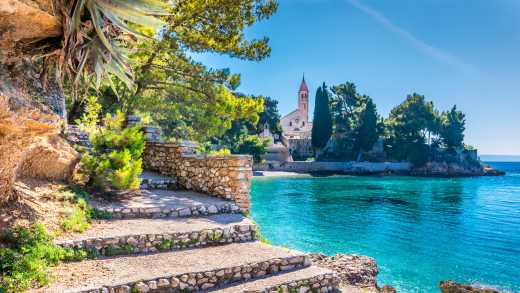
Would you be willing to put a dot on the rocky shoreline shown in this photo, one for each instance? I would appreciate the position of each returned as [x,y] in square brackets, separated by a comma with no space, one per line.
[452,287]
[432,169]
[357,273]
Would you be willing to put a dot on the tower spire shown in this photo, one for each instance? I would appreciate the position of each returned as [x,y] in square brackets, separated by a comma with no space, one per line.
[303,85]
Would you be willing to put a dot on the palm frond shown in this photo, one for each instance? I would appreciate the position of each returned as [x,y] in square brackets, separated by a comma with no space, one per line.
[93,48]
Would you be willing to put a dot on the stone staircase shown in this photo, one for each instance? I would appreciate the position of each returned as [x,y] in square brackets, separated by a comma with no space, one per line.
[181,241]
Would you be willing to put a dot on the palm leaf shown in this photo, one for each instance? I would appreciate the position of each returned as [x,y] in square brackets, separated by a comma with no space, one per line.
[92,48]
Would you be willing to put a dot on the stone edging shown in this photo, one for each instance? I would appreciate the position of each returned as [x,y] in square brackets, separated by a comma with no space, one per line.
[147,243]
[199,210]
[164,184]
[202,281]
[327,282]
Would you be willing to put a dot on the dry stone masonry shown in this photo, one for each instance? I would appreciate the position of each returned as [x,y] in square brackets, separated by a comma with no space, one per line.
[204,281]
[163,242]
[167,212]
[322,283]
[224,176]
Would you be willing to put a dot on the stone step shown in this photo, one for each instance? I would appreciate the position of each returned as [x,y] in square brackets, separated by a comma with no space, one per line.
[153,180]
[189,270]
[164,204]
[120,237]
[309,279]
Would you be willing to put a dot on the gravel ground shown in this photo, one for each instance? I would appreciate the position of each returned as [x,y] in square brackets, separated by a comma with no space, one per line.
[161,198]
[120,270]
[117,228]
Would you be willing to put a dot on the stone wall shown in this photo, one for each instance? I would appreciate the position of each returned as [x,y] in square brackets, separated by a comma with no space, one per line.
[336,167]
[162,242]
[210,280]
[224,176]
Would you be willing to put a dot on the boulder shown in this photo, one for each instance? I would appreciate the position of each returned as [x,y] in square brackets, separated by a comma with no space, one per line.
[354,271]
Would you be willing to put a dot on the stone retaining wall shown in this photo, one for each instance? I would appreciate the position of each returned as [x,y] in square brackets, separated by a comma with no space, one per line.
[224,176]
[131,244]
[203,281]
[157,212]
[335,167]
[322,283]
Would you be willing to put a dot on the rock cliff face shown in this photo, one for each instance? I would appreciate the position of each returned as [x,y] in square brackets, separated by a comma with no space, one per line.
[26,20]
[30,144]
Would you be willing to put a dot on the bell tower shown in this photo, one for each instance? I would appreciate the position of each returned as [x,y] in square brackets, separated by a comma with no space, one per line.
[303,99]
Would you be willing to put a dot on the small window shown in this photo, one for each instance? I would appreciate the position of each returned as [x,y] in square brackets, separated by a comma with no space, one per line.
[290,123]
[303,123]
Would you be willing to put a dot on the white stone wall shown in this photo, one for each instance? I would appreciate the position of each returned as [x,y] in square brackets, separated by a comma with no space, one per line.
[296,125]
[338,167]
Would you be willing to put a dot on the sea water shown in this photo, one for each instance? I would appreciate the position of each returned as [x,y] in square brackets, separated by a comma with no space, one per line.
[419,230]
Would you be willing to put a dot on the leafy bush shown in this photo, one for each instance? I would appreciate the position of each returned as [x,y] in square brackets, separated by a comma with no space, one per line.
[78,212]
[78,217]
[116,159]
[221,152]
[26,257]
[252,145]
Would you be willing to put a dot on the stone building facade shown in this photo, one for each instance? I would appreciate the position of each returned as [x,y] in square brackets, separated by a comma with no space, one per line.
[297,128]
[296,124]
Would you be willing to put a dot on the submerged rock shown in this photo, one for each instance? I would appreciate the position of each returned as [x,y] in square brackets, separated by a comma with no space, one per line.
[354,271]
[452,287]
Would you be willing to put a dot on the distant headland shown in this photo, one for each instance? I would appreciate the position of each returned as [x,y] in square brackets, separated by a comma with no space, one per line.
[347,135]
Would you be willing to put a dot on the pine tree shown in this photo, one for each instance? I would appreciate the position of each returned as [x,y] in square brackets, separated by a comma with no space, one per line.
[453,128]
[322,120]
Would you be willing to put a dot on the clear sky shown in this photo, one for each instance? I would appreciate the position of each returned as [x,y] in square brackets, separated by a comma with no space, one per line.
[464,52]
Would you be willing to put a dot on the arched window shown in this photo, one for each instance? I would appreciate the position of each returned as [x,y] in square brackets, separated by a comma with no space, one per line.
[290,123]
[303,123]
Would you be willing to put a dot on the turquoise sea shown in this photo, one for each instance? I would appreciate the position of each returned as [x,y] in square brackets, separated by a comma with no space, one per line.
[419,230]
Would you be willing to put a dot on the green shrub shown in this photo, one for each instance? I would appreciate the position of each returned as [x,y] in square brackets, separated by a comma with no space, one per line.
[26,257]
[221,152]
[116,159]
[252,145]
[78,218]
[166,244]
[75,254]
[100,214]
[112,250]
[78,212]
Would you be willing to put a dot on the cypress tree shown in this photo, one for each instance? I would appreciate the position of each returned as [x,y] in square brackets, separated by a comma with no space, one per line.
[368,129]
[322,120]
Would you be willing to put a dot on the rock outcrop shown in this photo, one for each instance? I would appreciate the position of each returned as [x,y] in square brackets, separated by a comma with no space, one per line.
[443,169]
[356,272]
[452,287]
[25,21]
[30,145]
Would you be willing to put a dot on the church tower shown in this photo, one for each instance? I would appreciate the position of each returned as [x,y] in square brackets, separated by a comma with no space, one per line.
[303,99]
